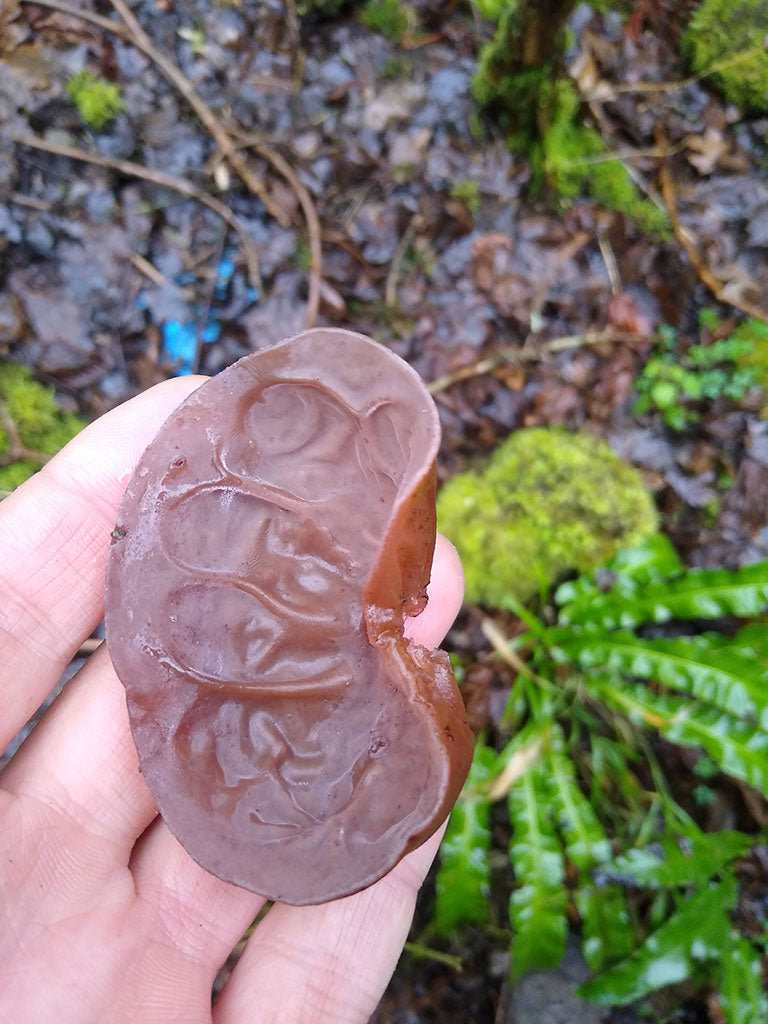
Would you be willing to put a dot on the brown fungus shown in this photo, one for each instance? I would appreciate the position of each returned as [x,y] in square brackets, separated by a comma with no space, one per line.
[271,541]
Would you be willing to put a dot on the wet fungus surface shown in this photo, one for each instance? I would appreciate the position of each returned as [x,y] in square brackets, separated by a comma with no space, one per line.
[270,544]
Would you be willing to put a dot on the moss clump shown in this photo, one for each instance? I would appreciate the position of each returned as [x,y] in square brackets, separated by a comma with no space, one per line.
[572,163]
[391,18]
[42,427]
[97,101]
[546,502]
[542,120]
[723,29]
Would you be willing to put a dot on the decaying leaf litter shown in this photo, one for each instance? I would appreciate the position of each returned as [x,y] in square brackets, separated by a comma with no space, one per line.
[273,169]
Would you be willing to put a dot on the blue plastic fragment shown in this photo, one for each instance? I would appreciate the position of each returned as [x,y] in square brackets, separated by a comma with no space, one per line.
[252,293]
[180,345]
[212,329]
[224,272]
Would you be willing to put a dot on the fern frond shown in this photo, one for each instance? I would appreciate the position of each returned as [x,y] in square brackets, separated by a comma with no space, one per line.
[696,934]
[681,861]
[737,748]
[698,594]
[537,906]
[464,877]
[719,674]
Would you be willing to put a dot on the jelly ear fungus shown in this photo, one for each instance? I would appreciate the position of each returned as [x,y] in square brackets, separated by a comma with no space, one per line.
[269,546]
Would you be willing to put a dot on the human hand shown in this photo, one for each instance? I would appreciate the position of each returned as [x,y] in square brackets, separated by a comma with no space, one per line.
[104,915]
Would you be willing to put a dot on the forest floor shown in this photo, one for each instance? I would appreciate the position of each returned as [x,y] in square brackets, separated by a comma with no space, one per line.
[375,198]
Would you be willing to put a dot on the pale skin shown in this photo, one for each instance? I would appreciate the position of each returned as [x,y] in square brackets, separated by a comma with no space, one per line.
[103,915]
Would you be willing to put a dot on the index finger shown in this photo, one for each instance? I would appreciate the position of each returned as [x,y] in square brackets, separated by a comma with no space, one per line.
[54,539]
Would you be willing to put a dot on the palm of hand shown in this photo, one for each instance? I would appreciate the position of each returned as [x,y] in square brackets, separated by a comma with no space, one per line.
[105,917]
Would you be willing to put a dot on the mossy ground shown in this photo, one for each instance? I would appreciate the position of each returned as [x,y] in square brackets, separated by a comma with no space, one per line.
[546,502]
[97,101]
[41,425]
[541,116]
[723,29]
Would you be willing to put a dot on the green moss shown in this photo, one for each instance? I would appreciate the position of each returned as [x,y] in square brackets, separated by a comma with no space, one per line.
[518,99]
[723,29]
[541,118]
[754,356]
[97,101]
[546,502]
[41,425]
[468,193]
[389,17]
[574,161]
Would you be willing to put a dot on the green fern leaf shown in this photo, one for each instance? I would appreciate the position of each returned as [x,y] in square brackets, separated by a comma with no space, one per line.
[604,914]
[718,674]
[742,996]
[737,748]
[681,861]
[699,594]
[464,878]
[631,568]
[537,906]
[698,933]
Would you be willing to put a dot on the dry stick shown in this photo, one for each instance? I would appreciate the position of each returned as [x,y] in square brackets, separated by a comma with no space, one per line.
[688,243]
[85,15]
[133,31]
[209,120]
[393,277]
[180,185]
[282,166]
[683,83]
[532,355]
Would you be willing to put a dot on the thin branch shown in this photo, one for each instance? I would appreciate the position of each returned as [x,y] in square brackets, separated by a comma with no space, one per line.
[393,277]
[533,354]
[83,13]
[133,32]
[282,166]
[180,185]
[210,121]
[723,65]
[688,242]
[502,647]
[149,270]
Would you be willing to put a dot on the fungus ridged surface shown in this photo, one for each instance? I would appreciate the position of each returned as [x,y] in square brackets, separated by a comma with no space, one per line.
[270,544]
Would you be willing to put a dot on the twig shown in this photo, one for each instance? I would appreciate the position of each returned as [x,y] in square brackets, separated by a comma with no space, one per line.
[532,355]
[688,242]
[393,277]
[282,166]
[620,155]
[133,32]
[683,83]
[609,259]
[501,646]
[83,13]
[207,117]
[31,203]
[148,270]
[16,448]
[515,768]
[180,185]
[421,952]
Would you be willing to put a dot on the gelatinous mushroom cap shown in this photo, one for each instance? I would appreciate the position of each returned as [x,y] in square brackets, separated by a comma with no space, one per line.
[270,543]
